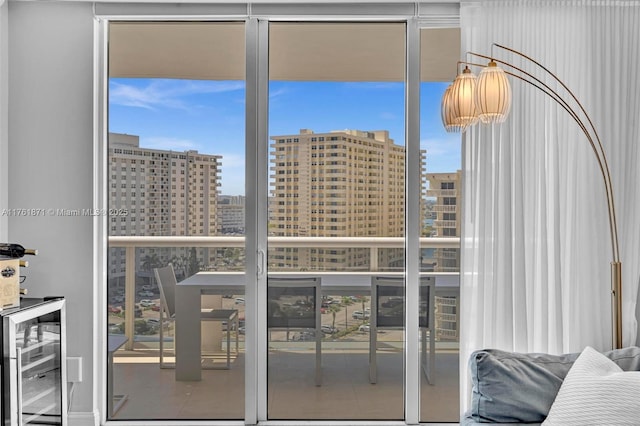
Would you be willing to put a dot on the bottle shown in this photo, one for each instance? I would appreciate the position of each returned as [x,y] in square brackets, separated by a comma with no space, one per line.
[24,263]
[15,250]
[24,291]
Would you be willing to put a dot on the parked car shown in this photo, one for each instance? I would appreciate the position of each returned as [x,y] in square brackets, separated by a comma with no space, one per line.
[328,329]
[114,328]
[114,309]
[118,298]
[147,287]
[364,328]
[153,322]
[305,336]
[155,308]
[145,303]
[145,293]
[360,315]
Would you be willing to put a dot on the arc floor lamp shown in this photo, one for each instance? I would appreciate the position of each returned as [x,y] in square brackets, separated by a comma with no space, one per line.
[487,98]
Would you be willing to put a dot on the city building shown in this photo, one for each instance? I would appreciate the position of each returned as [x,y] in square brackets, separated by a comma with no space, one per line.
[231,214]
[159,193]
[444,222]
[343,183]
[446,188]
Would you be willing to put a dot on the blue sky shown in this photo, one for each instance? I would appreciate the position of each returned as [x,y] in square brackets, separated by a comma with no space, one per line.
[208,116]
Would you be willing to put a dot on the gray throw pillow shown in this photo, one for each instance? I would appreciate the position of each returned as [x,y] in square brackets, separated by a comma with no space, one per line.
[511,387]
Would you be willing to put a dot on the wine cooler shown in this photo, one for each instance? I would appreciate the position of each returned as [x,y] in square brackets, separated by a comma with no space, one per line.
[34,379]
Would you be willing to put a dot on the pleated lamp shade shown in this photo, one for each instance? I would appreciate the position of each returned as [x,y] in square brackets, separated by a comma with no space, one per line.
[493,94]
[462,99]
[449,120]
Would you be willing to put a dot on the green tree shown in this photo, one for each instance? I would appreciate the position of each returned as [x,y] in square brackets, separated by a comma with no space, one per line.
[150,261]
[178,266]
[346,301]
[334,308]
[364,300]
[193,264]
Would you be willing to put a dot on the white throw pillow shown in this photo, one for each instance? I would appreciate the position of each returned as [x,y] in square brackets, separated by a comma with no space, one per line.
[596,392]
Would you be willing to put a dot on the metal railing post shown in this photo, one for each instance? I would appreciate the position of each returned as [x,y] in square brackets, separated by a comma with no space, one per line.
[373,255]
[130,295]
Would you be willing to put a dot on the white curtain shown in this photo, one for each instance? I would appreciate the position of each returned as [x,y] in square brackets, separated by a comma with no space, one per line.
[535,274]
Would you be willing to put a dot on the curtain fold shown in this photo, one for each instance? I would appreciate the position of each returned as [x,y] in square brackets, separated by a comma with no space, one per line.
[535,274]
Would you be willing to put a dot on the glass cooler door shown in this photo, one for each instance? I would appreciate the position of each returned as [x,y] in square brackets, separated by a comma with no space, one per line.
[38,391]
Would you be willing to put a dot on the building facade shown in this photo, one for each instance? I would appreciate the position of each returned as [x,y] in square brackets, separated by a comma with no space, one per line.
[346,183]
[160,193]
[231,214]
[446,188]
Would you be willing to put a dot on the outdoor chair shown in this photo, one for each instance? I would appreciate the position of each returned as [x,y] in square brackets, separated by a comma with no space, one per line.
[167,282]
[387,311]
[283,295]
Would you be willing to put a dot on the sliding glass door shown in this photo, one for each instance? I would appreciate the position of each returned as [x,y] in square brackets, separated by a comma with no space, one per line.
[176,195]
[336,219]
[309,139]
[442,213]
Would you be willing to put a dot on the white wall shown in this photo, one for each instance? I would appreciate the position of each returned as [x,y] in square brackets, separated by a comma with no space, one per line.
[51,161]
[4,135]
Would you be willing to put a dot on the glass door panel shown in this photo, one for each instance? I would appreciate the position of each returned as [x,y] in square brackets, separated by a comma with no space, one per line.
[176,168]
[440,267]
[336,219]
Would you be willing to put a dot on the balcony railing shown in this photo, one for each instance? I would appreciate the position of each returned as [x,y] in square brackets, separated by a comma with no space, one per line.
[445,223]
[442,193]
[373,244]
[443,208]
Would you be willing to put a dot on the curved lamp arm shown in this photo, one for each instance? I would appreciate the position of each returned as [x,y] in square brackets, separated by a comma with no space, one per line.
[598,150]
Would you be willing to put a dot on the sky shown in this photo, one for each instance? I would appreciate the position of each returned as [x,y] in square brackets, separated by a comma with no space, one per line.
[208,116]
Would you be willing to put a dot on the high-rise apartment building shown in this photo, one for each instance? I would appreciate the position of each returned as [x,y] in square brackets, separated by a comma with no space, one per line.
[446,188]
[346,183]
[231,214]
[163,193]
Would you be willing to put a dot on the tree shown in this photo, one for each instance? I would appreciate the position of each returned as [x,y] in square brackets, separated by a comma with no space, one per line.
[194,265]
[346,301]
[178,266]
[334,308]
[364,300]
[150,261]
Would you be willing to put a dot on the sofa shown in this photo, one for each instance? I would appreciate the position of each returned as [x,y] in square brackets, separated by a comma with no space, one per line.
[517,388]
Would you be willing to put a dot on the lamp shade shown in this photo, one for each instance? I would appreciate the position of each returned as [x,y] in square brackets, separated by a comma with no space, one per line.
[493,94]
[449,120]
[462,99]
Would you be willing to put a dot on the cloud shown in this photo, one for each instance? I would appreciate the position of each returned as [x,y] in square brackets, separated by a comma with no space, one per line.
[172,144]
[166,93]
[277,93]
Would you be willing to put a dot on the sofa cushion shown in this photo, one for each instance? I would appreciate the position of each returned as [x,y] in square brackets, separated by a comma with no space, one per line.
[596,392]
[511,387]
